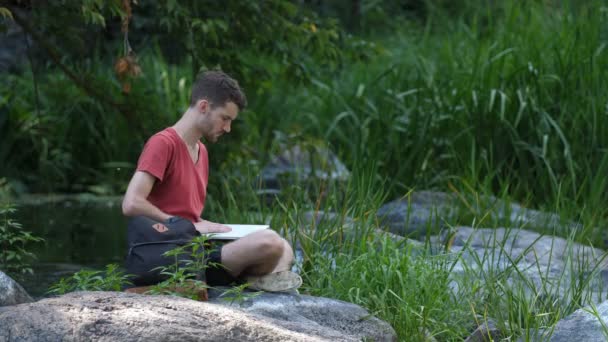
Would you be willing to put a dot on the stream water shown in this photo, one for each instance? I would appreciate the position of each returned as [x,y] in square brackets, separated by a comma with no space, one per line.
[78,232]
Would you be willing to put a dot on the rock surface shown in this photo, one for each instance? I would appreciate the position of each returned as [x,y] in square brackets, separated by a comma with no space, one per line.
[422,211]
[487,331]
[300,163]
[547,262]
[348,228]
[312,315]
[417,213]
[113,316]
[583,325]
[14,47]
[544,268]
[11,293]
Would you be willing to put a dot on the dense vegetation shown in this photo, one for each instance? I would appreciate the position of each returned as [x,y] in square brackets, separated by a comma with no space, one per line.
[506,98]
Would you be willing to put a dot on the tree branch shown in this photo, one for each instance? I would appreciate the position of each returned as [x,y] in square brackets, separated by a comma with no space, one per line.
[54,55]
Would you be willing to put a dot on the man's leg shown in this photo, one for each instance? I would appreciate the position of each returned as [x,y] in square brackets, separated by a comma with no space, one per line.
[286,259]
[263,259]
[257,254]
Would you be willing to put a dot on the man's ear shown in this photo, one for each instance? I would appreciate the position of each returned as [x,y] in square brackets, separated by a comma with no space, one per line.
[202,105]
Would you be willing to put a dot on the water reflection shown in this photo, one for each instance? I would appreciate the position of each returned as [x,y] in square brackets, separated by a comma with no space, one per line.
[78,231]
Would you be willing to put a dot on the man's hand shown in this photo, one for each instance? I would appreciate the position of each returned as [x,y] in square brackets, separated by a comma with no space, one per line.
[206,227]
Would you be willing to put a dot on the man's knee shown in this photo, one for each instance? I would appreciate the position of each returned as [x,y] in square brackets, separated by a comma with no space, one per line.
[270,245]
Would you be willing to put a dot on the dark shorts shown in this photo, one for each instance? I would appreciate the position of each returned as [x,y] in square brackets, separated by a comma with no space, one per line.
[216,275]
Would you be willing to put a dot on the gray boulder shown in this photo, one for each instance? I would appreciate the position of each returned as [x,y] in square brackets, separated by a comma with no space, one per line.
[11,293]
[14,47]
[424,211]
[314,316]
[418,213]
[349,228]
[546,262]
[487,331]
[299,164]
[587,324]
[323,226]
[114,316]
[519,216]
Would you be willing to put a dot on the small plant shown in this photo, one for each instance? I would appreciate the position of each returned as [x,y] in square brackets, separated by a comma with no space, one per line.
[186,274]
[237,294]
[112,279]
[14,256]
[181,285]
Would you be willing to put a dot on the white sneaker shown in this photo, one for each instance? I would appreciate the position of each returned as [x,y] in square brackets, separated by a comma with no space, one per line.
[284,281]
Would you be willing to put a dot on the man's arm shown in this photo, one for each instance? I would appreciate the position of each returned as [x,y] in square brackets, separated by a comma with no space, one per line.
[136,201]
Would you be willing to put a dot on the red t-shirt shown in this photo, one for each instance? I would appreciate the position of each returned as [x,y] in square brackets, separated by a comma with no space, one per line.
[181,184]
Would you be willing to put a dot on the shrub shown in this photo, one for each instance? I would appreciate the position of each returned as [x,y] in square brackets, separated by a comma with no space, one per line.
[14,257]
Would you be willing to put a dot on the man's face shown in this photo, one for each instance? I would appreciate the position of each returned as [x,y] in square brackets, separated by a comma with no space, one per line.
[218,120]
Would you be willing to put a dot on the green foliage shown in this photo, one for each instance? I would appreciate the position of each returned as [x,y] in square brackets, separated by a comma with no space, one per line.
[211,34]
[490,104]
[111,279]
[186,275]
[14,241]
[81,152]
[72,27]
[232,35]
[81,148]
[237,294]
[94,12]
[188,270]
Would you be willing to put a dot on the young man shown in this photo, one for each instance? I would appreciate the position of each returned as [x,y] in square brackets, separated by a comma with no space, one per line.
[171,181]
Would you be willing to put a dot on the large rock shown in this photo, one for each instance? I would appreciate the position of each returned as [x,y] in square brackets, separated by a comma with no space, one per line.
[423,211]
[299,164]
[545,262]
[314,315]
[587,324]
[112,316]
[487,331]
[14,47]
[339,228]
[418,213]
[11,293]
[342,227]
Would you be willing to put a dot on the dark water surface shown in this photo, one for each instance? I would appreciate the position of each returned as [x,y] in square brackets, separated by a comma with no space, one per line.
[79,231]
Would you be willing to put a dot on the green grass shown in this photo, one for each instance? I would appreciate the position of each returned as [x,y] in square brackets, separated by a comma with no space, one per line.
[409,284]
[516,105]
[510,104]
